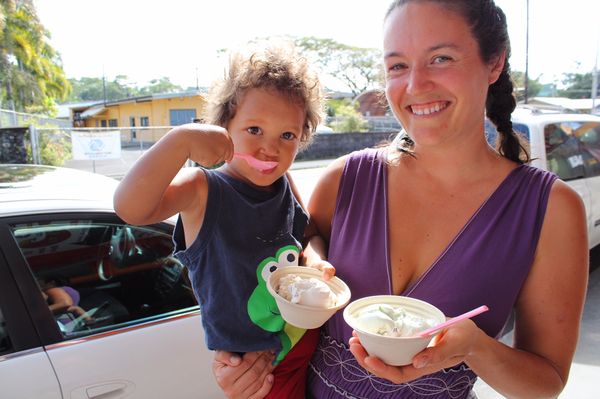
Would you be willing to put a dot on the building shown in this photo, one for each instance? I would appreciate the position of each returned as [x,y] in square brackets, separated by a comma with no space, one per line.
[563,104]
[157,110]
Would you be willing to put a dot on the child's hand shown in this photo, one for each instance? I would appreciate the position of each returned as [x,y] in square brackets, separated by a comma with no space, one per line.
[208,145]
[324,266]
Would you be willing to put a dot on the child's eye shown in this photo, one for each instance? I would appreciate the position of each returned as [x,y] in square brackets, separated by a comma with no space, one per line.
[254,130]
[288,136]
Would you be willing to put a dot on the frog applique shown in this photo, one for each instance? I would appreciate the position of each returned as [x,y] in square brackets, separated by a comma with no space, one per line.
[262,308]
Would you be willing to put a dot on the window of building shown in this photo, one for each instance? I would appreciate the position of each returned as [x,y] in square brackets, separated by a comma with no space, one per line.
[132,124]
[103,123]
[112,123]
[144,121]
[181,116]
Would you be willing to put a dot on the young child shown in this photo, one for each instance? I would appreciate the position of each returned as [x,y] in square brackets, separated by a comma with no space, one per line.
[237,223]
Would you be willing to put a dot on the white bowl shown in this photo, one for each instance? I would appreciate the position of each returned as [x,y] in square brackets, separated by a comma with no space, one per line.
[395,351]
[307,316]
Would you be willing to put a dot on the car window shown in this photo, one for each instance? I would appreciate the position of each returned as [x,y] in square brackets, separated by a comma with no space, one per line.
[563,151]
[589,136]
[97,276]
[5,345]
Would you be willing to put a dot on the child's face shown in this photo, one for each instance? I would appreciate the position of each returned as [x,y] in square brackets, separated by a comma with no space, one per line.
[267,126]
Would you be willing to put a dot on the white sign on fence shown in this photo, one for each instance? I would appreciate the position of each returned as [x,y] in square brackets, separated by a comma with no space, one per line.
[96,145]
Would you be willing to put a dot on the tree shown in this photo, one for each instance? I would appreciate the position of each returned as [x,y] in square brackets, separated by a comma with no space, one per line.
[162,85]
[93,89]
[356,67]
[345,116]
[577,85]
[533,86]
[32,78]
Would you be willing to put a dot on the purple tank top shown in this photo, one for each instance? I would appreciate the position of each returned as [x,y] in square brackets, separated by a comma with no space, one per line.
[485,264]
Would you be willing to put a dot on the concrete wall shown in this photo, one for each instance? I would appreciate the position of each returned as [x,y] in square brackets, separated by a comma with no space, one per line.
[333,145]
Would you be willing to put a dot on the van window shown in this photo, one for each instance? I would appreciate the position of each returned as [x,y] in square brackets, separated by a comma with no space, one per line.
[522,129]
[589,136]
[491,134]
[563,151]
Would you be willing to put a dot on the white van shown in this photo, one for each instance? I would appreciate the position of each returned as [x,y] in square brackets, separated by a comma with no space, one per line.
[568,145]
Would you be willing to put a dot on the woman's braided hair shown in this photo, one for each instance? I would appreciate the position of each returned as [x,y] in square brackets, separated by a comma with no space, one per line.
[488,25]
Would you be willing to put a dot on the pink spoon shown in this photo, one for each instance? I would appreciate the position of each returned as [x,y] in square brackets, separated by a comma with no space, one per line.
[454,320]
[256,163]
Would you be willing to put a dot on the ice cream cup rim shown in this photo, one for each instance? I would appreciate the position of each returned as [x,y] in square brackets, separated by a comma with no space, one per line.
[348,317]
[335,283]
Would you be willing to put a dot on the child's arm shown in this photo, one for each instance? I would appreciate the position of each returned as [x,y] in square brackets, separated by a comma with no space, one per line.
[156,187]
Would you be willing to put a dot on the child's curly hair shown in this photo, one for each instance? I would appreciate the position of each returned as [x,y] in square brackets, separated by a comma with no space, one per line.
[275,67]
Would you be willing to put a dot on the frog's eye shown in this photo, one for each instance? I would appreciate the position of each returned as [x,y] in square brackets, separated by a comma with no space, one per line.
[268,269]
[288,258]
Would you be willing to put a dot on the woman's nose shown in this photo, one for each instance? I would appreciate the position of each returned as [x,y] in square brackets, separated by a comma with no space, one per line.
[419,81]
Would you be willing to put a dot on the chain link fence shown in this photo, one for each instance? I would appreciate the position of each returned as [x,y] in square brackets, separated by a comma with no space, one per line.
[10,119]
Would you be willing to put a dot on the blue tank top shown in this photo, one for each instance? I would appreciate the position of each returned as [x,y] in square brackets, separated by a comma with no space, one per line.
[247,233]
[486,263]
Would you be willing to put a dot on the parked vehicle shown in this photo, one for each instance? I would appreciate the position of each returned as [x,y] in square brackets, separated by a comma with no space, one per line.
[568,145]
[133,328]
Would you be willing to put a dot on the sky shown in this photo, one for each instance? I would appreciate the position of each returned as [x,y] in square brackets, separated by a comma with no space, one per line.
[180,39]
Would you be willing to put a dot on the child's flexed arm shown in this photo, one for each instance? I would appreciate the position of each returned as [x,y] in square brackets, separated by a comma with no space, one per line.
[156,187]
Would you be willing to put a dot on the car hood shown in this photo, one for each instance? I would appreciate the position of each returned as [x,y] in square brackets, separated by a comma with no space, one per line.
[36,183]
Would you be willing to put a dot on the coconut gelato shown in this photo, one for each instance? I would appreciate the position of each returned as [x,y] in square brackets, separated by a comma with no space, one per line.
[391,321]
[306,291]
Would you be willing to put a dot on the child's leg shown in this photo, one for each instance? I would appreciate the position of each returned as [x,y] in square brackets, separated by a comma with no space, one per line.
[290,374]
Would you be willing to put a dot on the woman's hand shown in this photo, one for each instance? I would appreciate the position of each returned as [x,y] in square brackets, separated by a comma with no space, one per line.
[247,377]
[324,266]
[450,347]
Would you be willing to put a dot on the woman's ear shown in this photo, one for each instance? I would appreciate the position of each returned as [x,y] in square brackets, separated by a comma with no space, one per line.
[497,68]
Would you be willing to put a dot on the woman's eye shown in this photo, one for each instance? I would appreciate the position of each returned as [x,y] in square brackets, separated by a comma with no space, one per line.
[288,136]
[441,59]
[254,130]
[396,67]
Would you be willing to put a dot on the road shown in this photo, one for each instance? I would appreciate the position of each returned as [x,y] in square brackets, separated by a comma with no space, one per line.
[586,364]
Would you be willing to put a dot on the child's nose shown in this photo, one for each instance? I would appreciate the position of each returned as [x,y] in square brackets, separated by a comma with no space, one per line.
[270,147]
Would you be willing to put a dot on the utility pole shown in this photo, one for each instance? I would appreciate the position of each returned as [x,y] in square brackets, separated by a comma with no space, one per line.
[103,86]
[595,76]
[527,57]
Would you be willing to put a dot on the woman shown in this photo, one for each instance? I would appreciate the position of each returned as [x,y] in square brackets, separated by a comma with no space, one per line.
[447,219]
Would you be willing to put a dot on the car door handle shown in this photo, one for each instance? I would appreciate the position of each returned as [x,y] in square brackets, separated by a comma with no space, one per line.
[104,390]
[107,390]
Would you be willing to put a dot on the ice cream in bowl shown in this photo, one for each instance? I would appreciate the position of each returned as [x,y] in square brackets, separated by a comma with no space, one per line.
[304,298]
[388,326]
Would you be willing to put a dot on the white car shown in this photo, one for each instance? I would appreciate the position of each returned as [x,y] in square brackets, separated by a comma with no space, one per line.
[568,145]
[133,328]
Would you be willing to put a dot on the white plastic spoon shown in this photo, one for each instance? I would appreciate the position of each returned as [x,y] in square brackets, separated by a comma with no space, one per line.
[256,163]
[454,320]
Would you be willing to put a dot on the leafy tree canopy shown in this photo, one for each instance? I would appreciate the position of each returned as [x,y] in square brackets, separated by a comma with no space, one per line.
[576,85]
[94,89]
[533,87]
[357,68]
[32,78]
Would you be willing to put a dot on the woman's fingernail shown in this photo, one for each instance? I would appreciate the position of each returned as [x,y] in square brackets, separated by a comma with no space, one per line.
[270,378]
[421,362]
